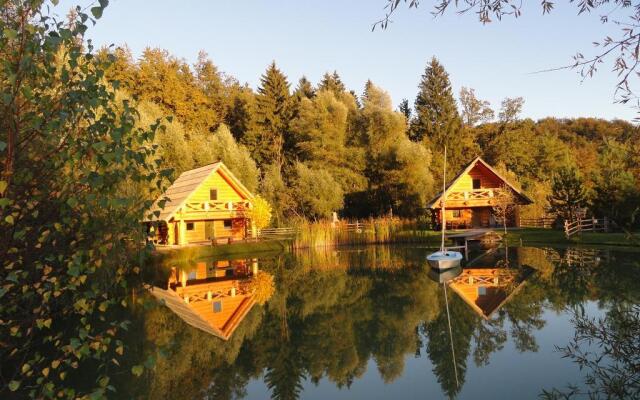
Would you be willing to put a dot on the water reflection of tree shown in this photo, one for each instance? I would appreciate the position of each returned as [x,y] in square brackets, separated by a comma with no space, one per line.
[328,322]
[606,348]
[464,322]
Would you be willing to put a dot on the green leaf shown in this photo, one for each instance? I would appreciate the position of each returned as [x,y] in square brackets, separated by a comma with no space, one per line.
[3,186]
[9,219]
[137,370]
[3,145]
[97,12]
[9,33]
[14,385]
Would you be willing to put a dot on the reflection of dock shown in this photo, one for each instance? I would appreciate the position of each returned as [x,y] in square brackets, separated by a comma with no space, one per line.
[214,298]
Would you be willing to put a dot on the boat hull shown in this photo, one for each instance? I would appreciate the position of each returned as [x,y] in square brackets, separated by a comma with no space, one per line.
[444,260]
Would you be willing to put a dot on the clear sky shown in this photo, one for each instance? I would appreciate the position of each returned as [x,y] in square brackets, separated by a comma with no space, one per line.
[311,37]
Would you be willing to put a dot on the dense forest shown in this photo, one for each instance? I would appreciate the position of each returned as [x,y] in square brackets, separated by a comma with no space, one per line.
[311,149]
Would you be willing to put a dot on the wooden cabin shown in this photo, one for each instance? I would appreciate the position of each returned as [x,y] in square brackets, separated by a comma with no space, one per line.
[213,296]
[206,204]
[470,198]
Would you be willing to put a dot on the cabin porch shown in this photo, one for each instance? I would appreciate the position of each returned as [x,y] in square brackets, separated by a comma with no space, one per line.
[471,217]
[191,231]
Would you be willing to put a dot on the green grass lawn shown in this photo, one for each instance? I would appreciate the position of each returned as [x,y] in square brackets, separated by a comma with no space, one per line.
[551,236]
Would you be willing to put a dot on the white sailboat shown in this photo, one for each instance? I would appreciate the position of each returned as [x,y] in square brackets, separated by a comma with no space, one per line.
[444,259]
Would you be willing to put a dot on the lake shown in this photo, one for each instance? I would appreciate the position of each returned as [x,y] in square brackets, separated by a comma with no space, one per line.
[372,323]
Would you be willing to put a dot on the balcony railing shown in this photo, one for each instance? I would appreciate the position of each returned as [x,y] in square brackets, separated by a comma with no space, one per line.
[475,194]
[238,207]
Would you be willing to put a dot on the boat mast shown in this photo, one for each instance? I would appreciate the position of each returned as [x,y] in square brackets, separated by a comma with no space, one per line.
[444,197]
[453,352]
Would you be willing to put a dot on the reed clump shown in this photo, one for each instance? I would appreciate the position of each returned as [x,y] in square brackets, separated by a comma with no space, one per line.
[371,231]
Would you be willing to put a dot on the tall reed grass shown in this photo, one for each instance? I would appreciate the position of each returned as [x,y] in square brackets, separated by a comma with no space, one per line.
[372,231]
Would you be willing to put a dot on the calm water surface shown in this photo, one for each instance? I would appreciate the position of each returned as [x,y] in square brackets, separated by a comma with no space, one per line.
[371,323]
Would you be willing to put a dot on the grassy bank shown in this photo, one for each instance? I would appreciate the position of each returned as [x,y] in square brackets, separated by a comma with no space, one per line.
[538,236]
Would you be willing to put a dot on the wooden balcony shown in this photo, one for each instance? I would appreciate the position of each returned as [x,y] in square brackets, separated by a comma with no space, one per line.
[214,209]
[475,197]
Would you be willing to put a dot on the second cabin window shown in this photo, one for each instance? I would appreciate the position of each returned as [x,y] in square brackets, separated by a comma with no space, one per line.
[213,194]
[455,213]
[476,183]
[228,224]
[190,226]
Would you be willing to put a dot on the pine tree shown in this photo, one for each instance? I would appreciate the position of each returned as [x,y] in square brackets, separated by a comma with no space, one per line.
[405,109]
[437,118]
[273,114]
[437,122]
[304,89]
[333,83]
[567,193]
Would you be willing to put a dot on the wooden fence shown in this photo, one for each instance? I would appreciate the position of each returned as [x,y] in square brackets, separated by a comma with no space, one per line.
[542,222]
[277,233]
[586,225]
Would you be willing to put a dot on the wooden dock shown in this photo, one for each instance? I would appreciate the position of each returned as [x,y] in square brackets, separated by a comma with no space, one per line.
[461,239]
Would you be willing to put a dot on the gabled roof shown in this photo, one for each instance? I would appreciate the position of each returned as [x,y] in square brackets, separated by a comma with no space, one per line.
[435,202]
[188,182]
[206,320]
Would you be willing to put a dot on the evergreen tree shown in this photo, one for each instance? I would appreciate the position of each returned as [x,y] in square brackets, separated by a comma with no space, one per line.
[304,89]
[437,119]
[437,122]
[333,83]
[568,193]
[405,109]
[273,114]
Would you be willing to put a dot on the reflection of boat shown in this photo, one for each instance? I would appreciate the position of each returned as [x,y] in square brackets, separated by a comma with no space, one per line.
[444,259]
[444,276]
[213,297]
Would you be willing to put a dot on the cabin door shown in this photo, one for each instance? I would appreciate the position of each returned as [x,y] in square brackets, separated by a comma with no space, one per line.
[209,230]
[476,218]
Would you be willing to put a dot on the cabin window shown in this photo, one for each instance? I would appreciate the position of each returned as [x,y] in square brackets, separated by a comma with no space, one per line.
[190,226]
[217,306]
[456,213]
[228,224]
[213,194]
[191,275]
[482,291]
[476,183]
[229,273]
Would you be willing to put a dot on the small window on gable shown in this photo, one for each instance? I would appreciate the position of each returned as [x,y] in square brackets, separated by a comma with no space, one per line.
[456,213]
[482,291]
[213,194]
[228,224]
[476,183]
[217,306]
[190,226]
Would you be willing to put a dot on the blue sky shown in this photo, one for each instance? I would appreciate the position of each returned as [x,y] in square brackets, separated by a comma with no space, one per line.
[309,38]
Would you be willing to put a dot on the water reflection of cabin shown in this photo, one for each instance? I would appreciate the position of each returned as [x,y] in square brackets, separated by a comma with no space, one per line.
[213,296]
[203,205]
[470,198]
[485,290]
